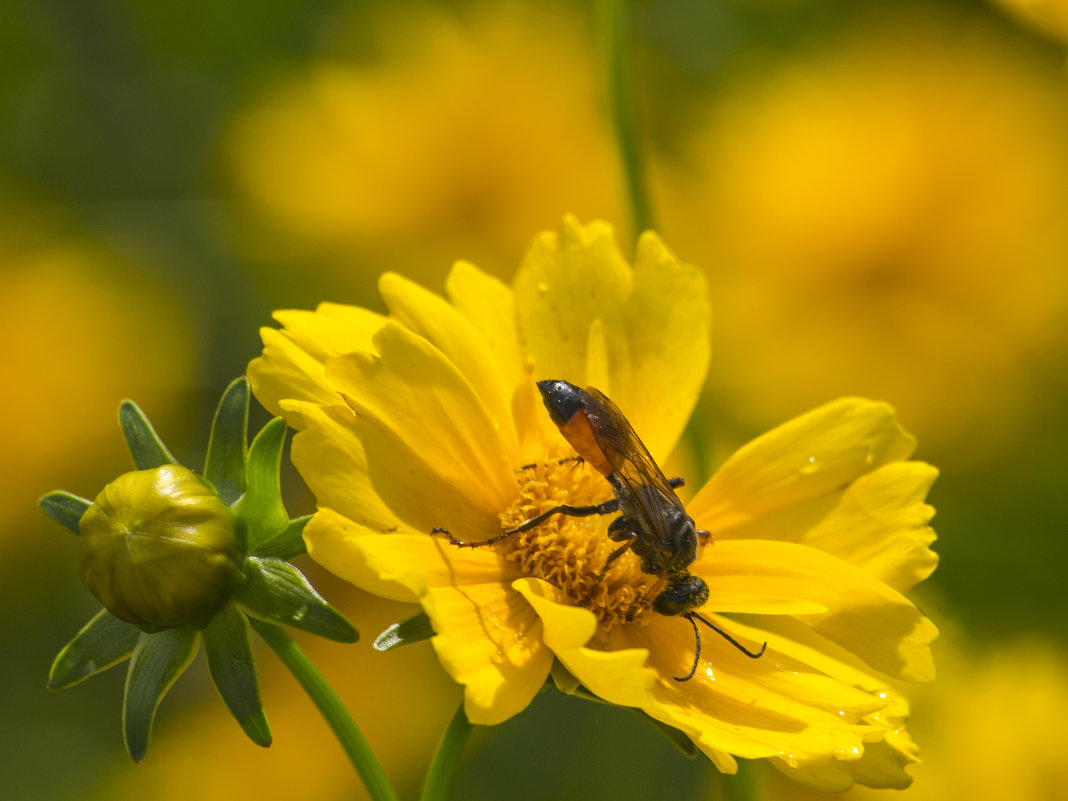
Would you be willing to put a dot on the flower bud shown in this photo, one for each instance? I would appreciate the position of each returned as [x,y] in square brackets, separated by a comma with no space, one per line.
[160,549]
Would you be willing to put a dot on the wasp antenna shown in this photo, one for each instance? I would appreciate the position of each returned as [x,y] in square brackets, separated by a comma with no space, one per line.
[697,649]
[729,638]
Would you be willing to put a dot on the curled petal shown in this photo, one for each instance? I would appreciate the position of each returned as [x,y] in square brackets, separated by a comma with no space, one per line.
[863,614]
[292,365]
[791,476]
[414,408]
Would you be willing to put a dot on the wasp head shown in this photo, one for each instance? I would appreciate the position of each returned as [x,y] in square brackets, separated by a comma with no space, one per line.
[683,593]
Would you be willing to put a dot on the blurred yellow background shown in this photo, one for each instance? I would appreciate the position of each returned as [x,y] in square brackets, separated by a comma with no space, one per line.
[878,193]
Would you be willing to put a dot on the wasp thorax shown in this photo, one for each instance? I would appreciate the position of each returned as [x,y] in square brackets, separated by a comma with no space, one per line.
[570,552]
[160,549]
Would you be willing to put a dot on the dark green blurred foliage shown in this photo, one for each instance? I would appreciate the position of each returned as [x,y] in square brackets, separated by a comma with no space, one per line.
[110,117]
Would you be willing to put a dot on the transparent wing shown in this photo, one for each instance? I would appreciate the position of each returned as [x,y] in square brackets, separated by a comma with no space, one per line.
[634,465]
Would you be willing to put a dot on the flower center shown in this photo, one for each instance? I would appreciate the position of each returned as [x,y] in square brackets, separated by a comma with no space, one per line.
[571,552]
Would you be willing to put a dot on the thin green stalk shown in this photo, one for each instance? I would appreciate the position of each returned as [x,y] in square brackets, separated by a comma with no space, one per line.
[614,36]
[335,713]
[439,777]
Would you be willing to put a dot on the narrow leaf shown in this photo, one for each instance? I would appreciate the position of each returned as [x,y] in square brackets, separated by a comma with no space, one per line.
[225,463]
[103,641]
[145,446]
[277,592]
[229,653]
[415,629]
[158,661]
[288,544]
[65,508]
[261,505]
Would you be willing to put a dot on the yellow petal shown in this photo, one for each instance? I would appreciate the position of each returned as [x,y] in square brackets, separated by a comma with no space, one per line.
[489,306]
[402,564]
[881,766]
[880,525]
[292,363]
[789,476]
[433,454]
[669,323]
[566,281]
[433,318]
[330,457]
[576,280]
[487,637]
[863,615]
[731,714]
[618,676]
[807,673]
[490,640]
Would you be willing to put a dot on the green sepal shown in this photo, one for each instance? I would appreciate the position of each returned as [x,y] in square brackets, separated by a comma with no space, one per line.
[415,629]
[229,653]
[103,642]
[675,736]
[224,465]
[158,661]
[145,446]
[261,506]
[65,508]
[277,592]
[289,544]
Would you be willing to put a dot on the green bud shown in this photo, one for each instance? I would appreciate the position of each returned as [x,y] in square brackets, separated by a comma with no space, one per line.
[160,549]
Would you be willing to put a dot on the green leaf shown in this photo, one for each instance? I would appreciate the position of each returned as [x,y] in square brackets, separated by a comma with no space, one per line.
[229,654]
[415,629]
[103,642]
[288,544]
[145,446]
[261,507]
[277,592]
[225,463]
[158,661]
[65,508]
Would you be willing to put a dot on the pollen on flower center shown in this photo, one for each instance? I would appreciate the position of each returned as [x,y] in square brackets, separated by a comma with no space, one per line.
[570,552]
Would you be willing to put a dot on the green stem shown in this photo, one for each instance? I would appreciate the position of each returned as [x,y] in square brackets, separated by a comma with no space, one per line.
[335,713]
[612,24]
[452,743]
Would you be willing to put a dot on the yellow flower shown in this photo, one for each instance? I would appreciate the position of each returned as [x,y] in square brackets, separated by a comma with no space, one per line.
[1049,16]
[890,221]
[994,728]
[470,128]
[430,418]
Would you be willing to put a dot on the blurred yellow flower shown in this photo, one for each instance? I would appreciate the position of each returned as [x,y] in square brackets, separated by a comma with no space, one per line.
[886,215]
[1049,16]
[994,728]
[86,330]
[471,128]
[426,419]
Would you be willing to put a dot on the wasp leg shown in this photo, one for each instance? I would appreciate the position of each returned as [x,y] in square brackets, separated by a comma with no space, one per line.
[676,482]
[620,530]
[574,511]
[693,617]
[532,465]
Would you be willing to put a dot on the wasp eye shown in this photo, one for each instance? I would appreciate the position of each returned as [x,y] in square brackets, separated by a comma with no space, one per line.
[680,596]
